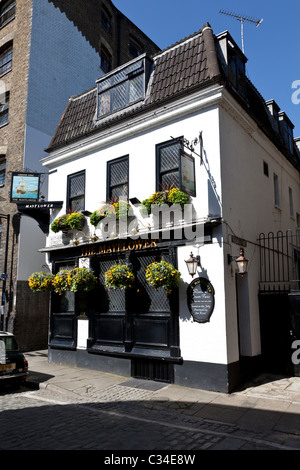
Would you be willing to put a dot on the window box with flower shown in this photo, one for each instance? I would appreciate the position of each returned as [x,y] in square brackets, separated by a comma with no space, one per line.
[168,197]
[115,209]
[66,222]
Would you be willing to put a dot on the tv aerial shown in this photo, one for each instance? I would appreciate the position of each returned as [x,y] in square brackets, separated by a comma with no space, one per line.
[242,19]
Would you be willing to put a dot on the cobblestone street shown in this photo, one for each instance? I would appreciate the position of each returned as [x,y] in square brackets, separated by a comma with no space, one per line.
[43,420]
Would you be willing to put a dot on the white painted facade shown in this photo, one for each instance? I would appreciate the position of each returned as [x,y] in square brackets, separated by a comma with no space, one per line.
[230,184]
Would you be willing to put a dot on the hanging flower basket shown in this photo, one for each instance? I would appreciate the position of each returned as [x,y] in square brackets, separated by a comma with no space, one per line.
[119,209]
[169,197]
[162,274]
[41,282]
[73,221]
[81,280]
[119,276]
[61,282]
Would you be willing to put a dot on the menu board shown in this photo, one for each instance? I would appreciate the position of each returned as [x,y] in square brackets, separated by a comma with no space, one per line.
[201,299]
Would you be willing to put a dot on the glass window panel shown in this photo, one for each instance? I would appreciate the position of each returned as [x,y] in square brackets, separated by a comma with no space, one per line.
[169,157]
[104,103]
[6,60]
[119,192]
[119,96]
[4,117]
[118,172]
[77,204]
[170,180]
[77,185]
[136,88]
[7,11]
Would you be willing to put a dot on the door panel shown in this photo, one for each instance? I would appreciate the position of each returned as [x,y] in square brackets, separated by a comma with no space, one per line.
[138,321]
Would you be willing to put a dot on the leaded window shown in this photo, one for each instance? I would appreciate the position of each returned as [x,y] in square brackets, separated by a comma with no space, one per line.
[117,177]
[168,165]
[122,87]
[76,192]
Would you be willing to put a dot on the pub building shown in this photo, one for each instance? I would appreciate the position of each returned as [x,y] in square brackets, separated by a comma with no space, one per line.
[187,128]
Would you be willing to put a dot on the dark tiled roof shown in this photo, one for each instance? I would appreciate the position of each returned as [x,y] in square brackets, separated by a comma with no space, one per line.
[179,69]
[182,68]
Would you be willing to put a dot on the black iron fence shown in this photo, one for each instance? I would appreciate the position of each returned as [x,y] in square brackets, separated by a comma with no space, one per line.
[279,261]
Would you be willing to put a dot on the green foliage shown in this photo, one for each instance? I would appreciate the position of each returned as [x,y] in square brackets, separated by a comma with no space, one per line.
[169,197]
[119,276]
[162,274]
[75,220]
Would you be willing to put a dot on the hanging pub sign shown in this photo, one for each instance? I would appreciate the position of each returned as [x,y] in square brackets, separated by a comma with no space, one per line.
[201,299]
[187,170]
[25,187]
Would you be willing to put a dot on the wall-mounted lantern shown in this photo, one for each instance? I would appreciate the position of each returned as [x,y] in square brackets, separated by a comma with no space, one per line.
[241,262]
[192,263]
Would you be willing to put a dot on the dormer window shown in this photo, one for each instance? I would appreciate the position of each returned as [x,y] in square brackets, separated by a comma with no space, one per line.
[273,110]
[122,87]
[286,130]
[236,71]
[233,62]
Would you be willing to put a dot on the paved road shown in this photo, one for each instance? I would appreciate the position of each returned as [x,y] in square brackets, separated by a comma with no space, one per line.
[42,420]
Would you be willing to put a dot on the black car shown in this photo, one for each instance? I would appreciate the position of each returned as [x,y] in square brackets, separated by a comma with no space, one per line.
[13,365]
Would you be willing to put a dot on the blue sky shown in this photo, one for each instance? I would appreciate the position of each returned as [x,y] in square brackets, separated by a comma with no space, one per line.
[272,49]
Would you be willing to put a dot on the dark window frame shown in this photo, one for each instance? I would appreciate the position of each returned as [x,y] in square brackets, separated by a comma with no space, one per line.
[135,49]
[108,176]
[4,110]
[160,173]
[106,19]
[70,199]
[6,50]
[121,85]
[105,60]
[2,169]
[4,9]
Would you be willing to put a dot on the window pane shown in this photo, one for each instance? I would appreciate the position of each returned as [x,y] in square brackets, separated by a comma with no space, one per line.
[77,185]
[104,103]
[76,192]
[169,157]
[6,60]
[170,180]
[136,88]
[119,96]
[118,179]
[118,172]
[77,204]
[7,11]
[119,192]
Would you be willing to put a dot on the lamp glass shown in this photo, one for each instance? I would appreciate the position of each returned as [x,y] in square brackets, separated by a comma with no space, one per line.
[192,264]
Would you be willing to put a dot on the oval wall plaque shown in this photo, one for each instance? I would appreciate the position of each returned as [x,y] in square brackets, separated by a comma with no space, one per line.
[201,299]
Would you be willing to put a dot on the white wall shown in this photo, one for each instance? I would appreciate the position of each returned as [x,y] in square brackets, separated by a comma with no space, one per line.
[198,342]
[249,209]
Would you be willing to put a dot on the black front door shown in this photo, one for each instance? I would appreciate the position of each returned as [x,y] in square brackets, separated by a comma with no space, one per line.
[63,324]
[141,322]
